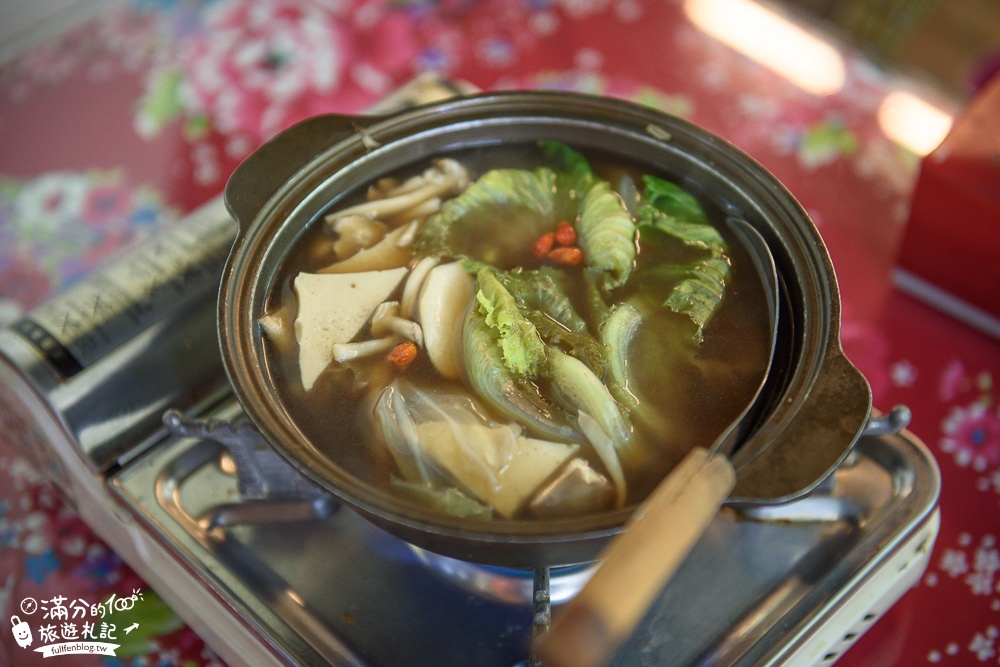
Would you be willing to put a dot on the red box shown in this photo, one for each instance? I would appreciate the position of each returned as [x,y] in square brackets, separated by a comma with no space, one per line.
[950,254]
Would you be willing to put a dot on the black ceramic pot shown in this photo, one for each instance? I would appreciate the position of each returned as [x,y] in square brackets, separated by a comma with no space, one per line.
[816,404]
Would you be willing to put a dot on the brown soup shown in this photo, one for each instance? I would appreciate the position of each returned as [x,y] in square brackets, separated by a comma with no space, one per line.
[676,385]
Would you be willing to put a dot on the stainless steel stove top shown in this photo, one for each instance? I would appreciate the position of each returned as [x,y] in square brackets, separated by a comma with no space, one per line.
[316,584]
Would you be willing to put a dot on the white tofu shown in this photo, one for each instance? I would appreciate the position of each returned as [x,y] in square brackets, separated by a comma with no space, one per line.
[332,309]
[497,466]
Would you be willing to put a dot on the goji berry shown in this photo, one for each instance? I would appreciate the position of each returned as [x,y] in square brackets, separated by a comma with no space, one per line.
[565,234]
[403,355]
[567,256]
[544,244]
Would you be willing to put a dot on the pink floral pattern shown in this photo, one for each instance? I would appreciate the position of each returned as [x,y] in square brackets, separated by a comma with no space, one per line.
[254,60]
[254,67]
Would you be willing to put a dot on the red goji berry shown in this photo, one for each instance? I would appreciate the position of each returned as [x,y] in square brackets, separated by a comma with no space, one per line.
[565,234]
[568,256]
[403,355]
[544,244]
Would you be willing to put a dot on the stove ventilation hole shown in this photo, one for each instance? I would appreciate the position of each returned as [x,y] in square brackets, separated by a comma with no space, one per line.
[898,573]
[850,637]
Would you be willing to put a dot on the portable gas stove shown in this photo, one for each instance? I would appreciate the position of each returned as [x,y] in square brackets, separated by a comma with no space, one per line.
[269,570]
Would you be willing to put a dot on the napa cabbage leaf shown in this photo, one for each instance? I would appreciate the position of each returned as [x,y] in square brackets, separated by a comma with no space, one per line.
[575,166]
[522,348]
[671,210]
[446,499]
[606,234]
[545,290]
[543,296]
[605,228]
[496,220]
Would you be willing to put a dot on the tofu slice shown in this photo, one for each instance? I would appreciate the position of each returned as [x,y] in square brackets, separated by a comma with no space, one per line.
[494,464]
[333,308]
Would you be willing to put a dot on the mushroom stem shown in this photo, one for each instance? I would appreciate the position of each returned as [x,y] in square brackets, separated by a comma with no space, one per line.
[446,178]
[386,320]
[347,351]
[411,290]
[354,233]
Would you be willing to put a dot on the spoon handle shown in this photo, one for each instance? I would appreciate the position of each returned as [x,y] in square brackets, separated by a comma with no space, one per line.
[637,565]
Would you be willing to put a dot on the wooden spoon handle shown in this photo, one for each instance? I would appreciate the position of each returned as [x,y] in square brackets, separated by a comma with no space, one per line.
[637,565]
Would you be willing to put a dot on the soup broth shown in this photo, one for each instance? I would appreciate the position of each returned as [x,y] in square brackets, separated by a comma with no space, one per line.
[567,314]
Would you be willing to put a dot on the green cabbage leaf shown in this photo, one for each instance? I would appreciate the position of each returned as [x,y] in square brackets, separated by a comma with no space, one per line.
[522,349]
[519,202]
[671,210]
[606,234]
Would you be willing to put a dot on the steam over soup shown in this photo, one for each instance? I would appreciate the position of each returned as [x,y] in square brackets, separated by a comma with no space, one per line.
[517,332]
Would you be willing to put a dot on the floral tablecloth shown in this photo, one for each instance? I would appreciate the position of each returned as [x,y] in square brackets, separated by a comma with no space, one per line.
[120,125]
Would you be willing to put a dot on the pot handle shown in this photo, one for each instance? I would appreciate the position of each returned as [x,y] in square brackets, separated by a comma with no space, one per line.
[657,538]
[888,424]
[814,443]
[261,175]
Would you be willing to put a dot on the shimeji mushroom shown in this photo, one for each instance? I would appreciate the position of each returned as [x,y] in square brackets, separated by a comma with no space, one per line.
[444,298]
[391,252]
[354,233]
[276,329]
[392,187]
[386,320]
[347,351]
[447,177]
[414,283]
